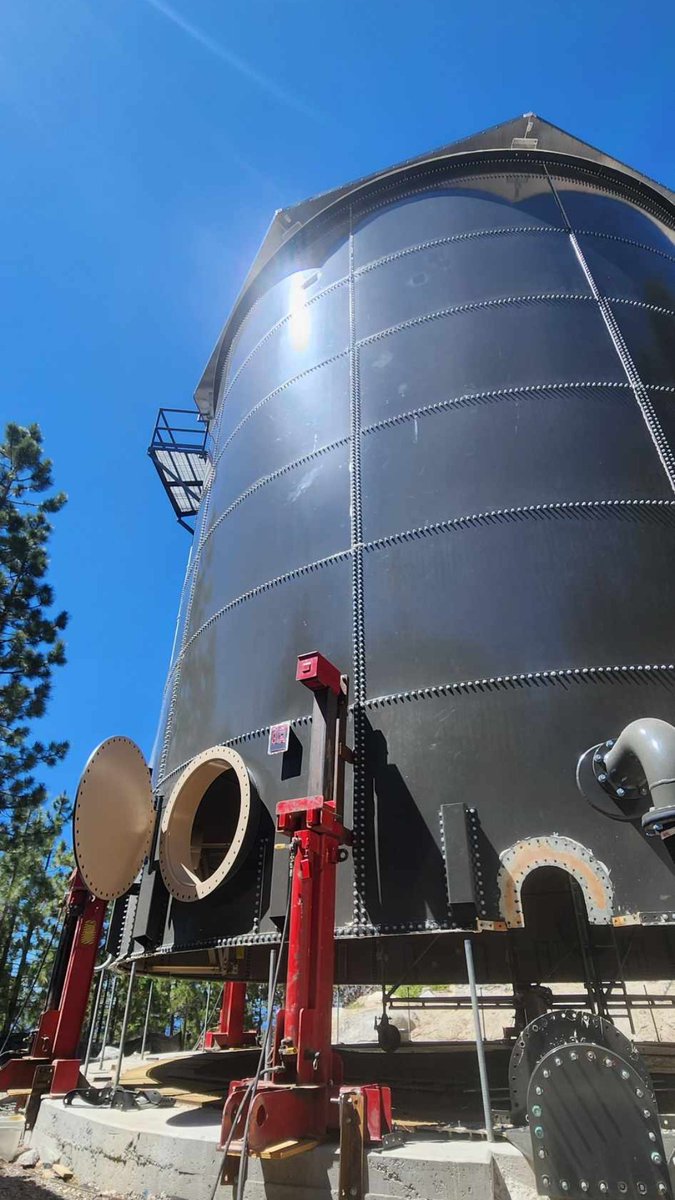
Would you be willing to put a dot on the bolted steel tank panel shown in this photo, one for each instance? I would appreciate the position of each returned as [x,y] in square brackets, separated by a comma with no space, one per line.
[442,454]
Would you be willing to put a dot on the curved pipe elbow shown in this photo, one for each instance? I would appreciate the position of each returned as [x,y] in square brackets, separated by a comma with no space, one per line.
[652,742]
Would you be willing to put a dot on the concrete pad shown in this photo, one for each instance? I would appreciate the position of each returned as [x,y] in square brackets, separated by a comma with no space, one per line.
[427,1170]
[174,1151]
[170,1150]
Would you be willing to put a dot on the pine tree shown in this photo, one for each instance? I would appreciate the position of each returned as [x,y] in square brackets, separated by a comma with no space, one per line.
[34,875]
[30,642]
[32,863]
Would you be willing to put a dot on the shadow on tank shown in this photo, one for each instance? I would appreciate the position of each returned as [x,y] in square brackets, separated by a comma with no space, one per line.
[404,865]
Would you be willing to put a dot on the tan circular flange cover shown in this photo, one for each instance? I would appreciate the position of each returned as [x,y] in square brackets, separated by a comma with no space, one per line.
[113,818]
[176,860]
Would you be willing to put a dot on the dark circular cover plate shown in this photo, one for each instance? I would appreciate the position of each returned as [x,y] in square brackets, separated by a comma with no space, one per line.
[564,1027]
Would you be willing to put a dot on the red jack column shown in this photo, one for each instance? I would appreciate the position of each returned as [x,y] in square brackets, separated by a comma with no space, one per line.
[230,1032]
[299,1103]
[60,1028]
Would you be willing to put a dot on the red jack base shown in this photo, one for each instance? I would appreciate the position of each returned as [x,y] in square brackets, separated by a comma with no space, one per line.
[282,1113]
[230,1032]
[66,1076]
[58,1035]
[17,1074]
[307,1098]
[215,1040]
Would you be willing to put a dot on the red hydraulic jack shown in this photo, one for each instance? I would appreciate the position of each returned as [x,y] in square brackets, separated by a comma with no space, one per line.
[58,1034]
[230,1032]
[305,1096]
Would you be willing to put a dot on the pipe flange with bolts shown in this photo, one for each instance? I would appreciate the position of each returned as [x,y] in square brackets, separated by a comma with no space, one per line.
[637,766]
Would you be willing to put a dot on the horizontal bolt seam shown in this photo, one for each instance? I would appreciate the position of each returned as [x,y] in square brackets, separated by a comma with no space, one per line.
[477,306]
[457,171]
[332,287]
[451,239]
[271,477]
[572,507]
[503,682]
[282,387]
[469,399]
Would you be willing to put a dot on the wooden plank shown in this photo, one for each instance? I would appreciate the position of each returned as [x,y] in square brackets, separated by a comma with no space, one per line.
[352,1140]
[42,1081]
[289,1149]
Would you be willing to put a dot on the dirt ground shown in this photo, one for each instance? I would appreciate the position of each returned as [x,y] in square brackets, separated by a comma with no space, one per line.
[355,1023]
[40,1183]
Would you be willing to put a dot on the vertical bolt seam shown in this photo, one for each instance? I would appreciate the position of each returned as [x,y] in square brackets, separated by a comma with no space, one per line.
[358,611]
[638,387]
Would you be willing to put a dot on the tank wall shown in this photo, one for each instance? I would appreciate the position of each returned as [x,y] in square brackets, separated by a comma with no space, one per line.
[429,463]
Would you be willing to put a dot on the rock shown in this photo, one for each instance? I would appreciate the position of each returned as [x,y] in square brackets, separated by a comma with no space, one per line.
[29,1158]
[110,1052]
[62,1171]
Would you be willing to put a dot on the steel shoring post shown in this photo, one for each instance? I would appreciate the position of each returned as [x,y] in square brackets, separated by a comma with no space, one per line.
[387,995]
[94,1017]
[480,1049]
[102,1010]
[622,978]
[593,987]
[147,1018]
[651,1013]
[125,1020]
[111,1001]
[270,1006]
[206,1013]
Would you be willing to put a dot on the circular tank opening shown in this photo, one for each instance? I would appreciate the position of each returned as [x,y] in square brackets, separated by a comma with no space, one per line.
[215,824]
[206,828]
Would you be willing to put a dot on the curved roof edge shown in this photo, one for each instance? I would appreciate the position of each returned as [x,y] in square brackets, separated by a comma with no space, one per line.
[526,132]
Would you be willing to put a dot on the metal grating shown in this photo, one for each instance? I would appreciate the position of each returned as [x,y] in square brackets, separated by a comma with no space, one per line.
[179,451]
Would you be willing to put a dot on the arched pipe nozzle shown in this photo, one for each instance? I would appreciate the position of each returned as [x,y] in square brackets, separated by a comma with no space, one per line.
[644,752]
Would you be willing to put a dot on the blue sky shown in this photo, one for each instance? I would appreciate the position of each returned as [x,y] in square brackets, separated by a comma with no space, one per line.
[145,147]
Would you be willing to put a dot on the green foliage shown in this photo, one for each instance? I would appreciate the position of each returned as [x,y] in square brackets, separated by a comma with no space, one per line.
[180,1008]
[410,991]
[34,864]
[30,641]
[34,860]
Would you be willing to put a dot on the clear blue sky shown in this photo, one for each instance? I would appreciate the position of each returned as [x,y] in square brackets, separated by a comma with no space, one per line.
[145,147]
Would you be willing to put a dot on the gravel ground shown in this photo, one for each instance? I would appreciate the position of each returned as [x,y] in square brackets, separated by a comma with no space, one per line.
[40,1183]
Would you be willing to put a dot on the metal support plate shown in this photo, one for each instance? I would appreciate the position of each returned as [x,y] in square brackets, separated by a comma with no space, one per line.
[594,1127]
[557,1029]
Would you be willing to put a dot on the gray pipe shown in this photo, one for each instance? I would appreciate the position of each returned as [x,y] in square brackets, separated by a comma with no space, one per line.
[270,1004]
[206,1014]
[147,1019]
[107,1021]
[125,1022]
[92,1027]
[652,743]
[480,1048]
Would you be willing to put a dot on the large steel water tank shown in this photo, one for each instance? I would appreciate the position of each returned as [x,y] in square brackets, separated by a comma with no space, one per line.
[442,426]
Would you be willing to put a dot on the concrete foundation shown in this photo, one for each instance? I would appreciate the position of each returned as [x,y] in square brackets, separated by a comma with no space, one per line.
[174,1152]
